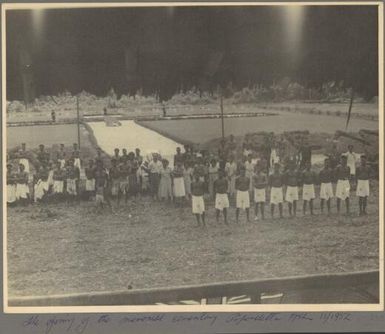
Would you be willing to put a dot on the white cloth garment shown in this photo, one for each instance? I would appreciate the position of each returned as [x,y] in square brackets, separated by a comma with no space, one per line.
[276,195]
[308,192]
[343,189]
[221,201]
[198,205]
[243,199]
[259,195]
[326,191]
[362,188]
[291,194]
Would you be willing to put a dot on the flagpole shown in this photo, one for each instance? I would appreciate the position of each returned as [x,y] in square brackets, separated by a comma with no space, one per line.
[222,120]
[350,109]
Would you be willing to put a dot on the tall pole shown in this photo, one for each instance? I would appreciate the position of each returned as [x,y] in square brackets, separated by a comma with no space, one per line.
[350,109]
[77,110]
[222,120]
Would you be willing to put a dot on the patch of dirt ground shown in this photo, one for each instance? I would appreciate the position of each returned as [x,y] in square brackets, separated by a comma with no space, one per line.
[57,249]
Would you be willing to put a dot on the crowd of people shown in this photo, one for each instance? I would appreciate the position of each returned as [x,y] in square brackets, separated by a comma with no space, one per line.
[234,174]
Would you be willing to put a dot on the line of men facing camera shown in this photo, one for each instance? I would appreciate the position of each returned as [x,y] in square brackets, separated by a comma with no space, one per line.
[195,176]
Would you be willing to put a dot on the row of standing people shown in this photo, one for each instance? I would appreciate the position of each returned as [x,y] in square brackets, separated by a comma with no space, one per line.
[285,187]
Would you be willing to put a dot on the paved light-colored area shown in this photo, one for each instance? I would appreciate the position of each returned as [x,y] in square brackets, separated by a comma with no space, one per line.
[131,135]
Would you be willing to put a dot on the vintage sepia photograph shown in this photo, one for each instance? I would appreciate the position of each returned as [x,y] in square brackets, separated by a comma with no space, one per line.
[193,156]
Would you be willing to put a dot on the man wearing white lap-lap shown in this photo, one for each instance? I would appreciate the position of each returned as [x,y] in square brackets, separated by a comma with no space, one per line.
[308,192]
[362,192]
[326,189]
[343,185]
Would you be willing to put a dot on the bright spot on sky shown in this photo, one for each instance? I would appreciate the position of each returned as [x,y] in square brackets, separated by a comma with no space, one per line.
[293,18]
[37,22]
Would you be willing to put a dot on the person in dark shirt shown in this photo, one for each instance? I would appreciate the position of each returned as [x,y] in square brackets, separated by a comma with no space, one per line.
[72,176]
[326,190]
[343,185]
[276,191]
[201,170]
[305,152]
[333,157]
[138,157]
[133,185]
[115,179]
[99,156]
[124,156]
[362,192]
[59,176]
[242,185]
[308,192]
[291,179]
[221,198]
[198,204]
[42,156]
[116,155]
[178,157]
[124,175]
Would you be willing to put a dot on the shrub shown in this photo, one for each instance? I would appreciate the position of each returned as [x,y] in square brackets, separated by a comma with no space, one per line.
[15,106]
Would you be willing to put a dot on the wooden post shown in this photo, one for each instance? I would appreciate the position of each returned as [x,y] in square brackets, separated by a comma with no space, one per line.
[78,117]
[222,120]
[350,109]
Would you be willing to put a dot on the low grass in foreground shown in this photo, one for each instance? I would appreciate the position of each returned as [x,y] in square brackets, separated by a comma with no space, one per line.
[56,248]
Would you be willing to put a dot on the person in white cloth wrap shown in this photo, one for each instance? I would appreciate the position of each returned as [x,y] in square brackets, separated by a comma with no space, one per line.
[221,198]
[291,179]
[242,186]
[362,192]
[197,201]
[59,175]
[326,189]
[260,183]
[343,184]
[178,180]
[11,186]
[72,176]
[22,189]
[276,191]
[41,183]
[309,178]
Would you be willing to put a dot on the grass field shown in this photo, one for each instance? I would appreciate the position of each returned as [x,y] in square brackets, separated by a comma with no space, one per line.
[58,249]
[202,130]
[45,134]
